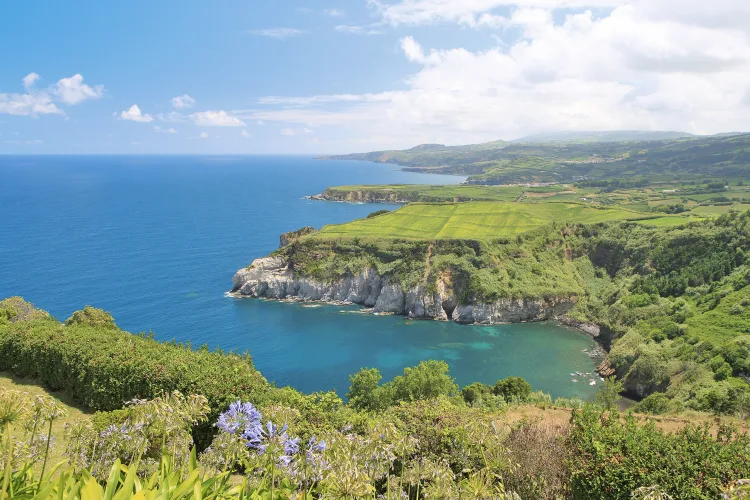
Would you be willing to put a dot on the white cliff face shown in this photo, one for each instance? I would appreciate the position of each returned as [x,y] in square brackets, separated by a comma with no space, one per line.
[272,278]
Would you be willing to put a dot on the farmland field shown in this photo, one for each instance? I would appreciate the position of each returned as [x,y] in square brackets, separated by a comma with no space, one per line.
[473,220]
[440,193]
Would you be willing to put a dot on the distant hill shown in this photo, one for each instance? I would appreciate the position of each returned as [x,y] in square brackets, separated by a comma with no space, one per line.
[607,136]
[580,157]
[428,147]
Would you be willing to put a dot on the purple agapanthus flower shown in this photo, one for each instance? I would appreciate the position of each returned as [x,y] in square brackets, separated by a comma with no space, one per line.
[315,446]
[239,418]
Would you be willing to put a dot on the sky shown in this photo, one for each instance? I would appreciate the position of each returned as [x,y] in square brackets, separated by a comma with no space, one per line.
[335,76]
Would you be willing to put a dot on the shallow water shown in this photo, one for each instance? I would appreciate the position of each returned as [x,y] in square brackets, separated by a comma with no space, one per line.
[155,240]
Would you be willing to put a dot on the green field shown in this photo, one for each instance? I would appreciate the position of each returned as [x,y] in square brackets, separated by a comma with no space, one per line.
[411,192]
[473,220]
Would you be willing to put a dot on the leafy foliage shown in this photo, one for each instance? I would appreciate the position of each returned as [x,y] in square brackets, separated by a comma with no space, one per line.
[102,367]
[612,456]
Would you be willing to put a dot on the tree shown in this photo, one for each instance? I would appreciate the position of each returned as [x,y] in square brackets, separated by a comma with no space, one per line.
[609,394]
[364,391]
[427,380]
[475,392]
[512,388]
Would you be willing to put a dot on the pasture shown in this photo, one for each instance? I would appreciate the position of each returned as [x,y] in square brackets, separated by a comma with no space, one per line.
[473,220]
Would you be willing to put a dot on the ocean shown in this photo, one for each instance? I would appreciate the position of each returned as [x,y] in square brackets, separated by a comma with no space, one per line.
[155,240]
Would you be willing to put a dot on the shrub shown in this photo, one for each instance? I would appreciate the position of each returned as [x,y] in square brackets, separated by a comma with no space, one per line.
[91,316]
[102,367]
[377,212]
[427,380]
[657,403]
[609,393]
[539,451]
[476,392]
[512,388]
[737,310]
[612,456]
[365,393]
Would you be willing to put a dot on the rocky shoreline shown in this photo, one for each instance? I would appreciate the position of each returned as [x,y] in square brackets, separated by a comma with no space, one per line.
[358,197]
[273,278]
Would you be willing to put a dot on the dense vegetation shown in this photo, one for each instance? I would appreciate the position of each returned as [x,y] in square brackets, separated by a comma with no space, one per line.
[578,159]
[673,303]
[416,436]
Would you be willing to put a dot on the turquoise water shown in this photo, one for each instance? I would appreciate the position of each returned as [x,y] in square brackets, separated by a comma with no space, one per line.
[155,240]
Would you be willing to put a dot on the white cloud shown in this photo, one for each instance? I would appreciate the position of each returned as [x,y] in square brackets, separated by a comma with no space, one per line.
[216,119]
[134,115]
[182,102]
[278,33]
[640,64]
[416,12]
[357,30]
[30,79]
[31,104]
[244,133]
[412,49]
[73,91]
[203,135]
[44,102]
[164,130]
[323,99]
[334,12]
[288,131]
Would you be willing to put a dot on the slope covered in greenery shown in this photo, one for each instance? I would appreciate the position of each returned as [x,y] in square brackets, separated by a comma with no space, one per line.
[416,436]
[673,301]
[698,158]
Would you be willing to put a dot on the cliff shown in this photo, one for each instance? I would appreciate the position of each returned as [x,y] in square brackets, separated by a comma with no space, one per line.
[274,278]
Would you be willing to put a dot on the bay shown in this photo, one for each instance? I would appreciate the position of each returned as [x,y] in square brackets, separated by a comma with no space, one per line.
[155,240]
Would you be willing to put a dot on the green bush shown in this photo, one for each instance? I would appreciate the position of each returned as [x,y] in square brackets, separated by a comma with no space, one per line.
[102,367]
[91,316]
[657,403]
[428,380]
[512,388]
[377,212]
[612,456]
[475,392]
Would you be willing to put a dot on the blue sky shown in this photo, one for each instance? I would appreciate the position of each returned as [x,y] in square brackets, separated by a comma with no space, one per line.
[246,76]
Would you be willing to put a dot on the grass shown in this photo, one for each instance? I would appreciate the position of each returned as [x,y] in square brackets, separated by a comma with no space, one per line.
[473,220]
[411,192]
[74,413]
[716,210]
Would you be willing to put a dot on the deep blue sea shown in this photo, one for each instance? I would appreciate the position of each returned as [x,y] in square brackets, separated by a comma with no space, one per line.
[155,240]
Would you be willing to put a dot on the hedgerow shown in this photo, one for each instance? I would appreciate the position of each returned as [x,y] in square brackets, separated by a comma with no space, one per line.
[102,367]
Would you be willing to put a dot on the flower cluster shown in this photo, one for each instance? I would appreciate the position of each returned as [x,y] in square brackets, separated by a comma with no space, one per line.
[273,443]
[239,418]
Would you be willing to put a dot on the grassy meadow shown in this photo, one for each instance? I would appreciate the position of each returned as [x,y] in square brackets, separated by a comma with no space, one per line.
[473,220]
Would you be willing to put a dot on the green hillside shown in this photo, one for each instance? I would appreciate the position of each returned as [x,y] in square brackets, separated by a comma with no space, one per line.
[725,157]
[473,220]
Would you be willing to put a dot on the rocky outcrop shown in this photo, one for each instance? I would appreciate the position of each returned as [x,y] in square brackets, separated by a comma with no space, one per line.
[292,236]
[364,196]
[273,278]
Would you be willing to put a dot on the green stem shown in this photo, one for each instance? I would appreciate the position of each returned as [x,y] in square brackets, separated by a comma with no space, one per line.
[8,463]
[46,451]
[273,481]
[33,432]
